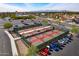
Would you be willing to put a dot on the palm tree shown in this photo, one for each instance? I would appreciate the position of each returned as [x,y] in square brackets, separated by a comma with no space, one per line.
[58,21]
[32,51]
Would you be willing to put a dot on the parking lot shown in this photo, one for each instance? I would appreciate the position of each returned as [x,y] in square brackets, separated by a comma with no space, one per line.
[70,49]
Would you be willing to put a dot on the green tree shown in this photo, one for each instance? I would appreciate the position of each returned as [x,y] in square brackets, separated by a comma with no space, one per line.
[8,25]
[13,16]
[74,29]
[32,51]
[31,17]
[45,22]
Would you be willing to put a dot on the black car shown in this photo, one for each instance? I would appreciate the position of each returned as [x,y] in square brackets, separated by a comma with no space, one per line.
[77,35]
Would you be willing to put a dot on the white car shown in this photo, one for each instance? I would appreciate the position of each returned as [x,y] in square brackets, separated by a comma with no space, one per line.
[63,41]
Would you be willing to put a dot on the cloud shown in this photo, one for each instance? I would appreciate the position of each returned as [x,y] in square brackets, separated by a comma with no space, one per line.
[55,6]
[66,6]
[9,8]
[31,7]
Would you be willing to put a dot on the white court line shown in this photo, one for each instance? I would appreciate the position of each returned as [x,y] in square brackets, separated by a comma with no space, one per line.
[35,30]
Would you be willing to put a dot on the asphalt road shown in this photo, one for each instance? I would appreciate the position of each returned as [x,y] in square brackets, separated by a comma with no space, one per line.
[5,46]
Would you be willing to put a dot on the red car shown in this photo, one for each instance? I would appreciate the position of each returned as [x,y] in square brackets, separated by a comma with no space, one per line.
[44,52]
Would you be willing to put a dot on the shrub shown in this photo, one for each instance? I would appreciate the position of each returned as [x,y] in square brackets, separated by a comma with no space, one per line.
[74,29]
[8,25]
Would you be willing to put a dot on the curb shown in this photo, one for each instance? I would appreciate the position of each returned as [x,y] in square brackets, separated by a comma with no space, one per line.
[13,46]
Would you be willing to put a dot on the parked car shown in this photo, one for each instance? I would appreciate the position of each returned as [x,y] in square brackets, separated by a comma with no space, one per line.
[68,39]
[64,41]
[77,35]
[70,36]
[60,44]
[55,46]
[44,52]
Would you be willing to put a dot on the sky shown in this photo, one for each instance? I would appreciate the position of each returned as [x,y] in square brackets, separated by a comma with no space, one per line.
[11,7]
